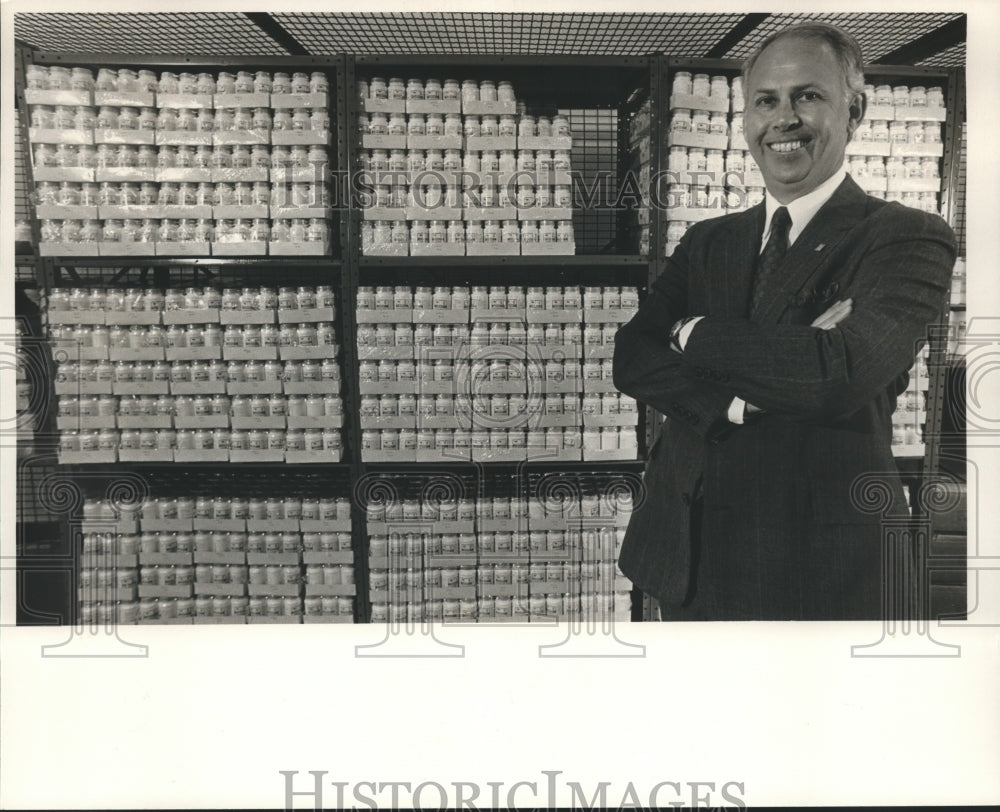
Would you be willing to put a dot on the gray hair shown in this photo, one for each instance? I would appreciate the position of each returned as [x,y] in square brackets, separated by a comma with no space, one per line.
[844,47]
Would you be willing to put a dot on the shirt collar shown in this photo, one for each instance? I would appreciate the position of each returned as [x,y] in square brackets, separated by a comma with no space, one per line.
[804,208]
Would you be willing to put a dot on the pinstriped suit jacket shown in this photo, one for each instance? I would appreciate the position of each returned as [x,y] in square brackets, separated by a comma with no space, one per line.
[781,535]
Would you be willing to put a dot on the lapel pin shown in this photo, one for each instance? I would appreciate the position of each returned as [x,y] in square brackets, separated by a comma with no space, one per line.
[820,247]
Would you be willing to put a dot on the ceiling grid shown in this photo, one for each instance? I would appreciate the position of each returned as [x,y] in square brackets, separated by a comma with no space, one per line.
[626,34]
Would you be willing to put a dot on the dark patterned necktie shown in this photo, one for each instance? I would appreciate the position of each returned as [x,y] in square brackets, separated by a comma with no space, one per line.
[771,256]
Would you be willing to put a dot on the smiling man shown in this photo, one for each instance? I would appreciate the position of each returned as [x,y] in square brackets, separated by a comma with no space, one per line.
[775,343]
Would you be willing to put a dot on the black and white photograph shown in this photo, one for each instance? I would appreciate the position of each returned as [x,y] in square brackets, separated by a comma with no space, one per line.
[608,390]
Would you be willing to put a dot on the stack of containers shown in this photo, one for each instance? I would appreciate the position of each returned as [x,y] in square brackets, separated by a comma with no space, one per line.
[640,146]
[202,375]
[706,153]
[461,169]
[610,419]
[212,559]
[188,165]
[492,374]
[957,320]
[895,153]
[499,559]
[910,418]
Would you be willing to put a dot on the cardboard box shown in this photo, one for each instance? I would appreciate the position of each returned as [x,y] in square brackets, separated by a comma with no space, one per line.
[68,249]
[472,107]
[68,98]
[714,104]
[495,249]
[386,106]
[698,140]
[299,249]
[86,457]
[300,137]
[197,387]
[73,174]
[188,101]
[545,142]
[444,249]
[130,317]
[136,354]
[258,456]
[303,353]
[245,174]
[239,249]
[307,100]
[386,249]
[548,249]
[201,455]
[52,136]
[177,138]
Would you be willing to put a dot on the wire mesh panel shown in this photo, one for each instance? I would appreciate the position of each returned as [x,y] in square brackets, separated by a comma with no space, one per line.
[953,57]
[877,33]
[594,156]
[197,33]
[434,33]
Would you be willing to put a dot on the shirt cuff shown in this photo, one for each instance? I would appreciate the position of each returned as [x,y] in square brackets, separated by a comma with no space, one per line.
[736,409]
[685,332]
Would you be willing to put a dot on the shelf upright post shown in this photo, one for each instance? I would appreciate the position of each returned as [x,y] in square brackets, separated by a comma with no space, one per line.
[937,361]
[347,127]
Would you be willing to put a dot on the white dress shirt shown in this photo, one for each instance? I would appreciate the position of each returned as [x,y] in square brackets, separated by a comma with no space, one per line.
[801,211]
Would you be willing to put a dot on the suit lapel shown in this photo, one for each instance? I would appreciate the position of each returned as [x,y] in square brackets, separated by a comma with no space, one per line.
[830,225]
[739,249]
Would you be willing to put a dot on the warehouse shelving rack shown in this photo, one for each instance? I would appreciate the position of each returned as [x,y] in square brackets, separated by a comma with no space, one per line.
[600,94]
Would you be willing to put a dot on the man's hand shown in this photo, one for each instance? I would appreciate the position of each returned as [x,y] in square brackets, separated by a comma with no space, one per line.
[836,313]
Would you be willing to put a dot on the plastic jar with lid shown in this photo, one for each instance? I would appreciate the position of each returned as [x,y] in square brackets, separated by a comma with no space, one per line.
[205,84]
[84,118]
[488,127]
[935,97]
[378,124]
[187,83]
[450,90]
[858,166]
[66,155]
[414,90]
[63,118]
[901,96]
[681,83]
[453,124]
[37,77]
[42,116]
[564,231]
[718,124]
[377,88]
[419,233]
[453,161]
[69,194]
[918,96]
[898,132]
[700,121]
[471,127]
[415,126]
[396,89]
[319,119]
[719,87]
[434,124]
[204,121]
[681,120]
[701,84]
[470,90]
[880,132]
[434,160]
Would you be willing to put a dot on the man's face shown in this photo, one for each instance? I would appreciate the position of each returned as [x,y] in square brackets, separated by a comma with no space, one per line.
[799,116]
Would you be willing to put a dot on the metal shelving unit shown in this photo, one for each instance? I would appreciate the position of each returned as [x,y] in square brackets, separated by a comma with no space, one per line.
[599,93]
